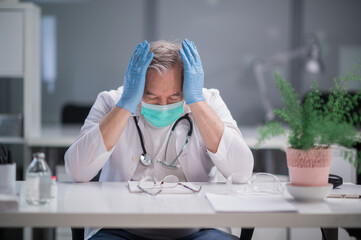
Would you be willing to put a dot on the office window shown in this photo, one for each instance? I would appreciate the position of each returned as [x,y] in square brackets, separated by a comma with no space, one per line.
[48,51]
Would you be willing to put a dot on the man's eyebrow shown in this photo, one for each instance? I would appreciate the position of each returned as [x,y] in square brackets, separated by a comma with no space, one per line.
[148,93]
[173,95]
[176,94]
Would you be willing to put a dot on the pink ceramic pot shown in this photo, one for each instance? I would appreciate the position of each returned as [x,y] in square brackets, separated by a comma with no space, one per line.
[309,168]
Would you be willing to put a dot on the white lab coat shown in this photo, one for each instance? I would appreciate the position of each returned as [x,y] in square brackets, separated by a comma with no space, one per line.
[88,154]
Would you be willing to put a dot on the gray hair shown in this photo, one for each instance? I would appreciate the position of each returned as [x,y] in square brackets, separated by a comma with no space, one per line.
[166,56]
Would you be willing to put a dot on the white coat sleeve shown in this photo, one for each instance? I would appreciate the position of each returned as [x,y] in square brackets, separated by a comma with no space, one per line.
[233,155]
[88,154]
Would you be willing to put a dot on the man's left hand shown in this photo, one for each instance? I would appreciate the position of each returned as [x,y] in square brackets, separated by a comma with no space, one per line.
[193,73]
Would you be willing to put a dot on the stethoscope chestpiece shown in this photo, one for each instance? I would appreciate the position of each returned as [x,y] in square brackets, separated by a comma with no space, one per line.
[145,159]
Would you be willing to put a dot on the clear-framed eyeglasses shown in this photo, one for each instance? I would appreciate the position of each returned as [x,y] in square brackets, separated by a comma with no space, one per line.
[264,183]
[259,183]
[150,186]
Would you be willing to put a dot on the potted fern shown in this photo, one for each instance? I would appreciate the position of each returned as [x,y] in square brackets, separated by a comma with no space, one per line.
[314,125]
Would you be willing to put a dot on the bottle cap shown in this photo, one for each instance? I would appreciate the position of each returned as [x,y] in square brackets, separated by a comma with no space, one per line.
[39,155]
[53,178]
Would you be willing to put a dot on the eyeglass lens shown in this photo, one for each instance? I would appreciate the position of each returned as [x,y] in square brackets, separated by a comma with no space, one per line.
[169,181]
[147,182]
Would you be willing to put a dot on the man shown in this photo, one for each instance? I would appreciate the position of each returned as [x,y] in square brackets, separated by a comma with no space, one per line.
[126,133]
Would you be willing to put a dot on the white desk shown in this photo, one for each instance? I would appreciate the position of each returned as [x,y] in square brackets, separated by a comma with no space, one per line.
[112,205]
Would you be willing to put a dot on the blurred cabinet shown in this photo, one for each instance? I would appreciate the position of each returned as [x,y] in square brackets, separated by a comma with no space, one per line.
[11,46]
[20,59]
[20,73]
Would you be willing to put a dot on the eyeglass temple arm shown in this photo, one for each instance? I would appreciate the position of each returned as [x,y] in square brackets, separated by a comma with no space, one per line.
[150,193]
[194,190]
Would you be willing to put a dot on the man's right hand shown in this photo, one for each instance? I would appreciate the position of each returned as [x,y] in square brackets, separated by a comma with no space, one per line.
[134,80]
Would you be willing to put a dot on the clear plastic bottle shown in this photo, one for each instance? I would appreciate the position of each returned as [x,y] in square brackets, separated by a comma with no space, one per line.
[38,181]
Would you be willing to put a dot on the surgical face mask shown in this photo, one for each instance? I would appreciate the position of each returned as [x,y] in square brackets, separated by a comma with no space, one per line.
[162,115]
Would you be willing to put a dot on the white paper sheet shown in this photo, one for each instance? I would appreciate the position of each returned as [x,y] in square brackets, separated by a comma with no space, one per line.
[133,187]
[249,203]
[347,188]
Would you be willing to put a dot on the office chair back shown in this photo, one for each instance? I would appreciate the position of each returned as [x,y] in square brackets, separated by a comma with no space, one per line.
[74,113]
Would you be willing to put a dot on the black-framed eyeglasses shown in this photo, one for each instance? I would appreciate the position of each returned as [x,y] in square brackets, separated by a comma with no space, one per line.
[150,186]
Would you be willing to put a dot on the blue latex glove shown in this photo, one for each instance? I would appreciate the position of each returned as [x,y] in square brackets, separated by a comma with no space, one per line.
[193,73]
[134,80]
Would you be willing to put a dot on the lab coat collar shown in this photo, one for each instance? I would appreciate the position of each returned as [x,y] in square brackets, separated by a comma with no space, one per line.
[186,108]
[138,110]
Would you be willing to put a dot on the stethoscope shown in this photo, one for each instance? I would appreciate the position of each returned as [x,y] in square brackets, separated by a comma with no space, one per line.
[146,160]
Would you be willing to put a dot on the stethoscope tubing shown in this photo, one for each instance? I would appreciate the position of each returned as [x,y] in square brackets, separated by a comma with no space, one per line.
[189,134]
[186,116]
[140,135]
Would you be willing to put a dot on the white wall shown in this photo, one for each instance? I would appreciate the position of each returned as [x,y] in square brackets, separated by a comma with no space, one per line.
[336,23]
[96,40]
[230,35]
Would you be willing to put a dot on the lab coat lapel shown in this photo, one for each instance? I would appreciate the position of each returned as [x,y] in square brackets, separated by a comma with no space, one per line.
[134,152]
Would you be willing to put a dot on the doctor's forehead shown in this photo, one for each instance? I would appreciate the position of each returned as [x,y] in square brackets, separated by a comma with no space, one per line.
[170,81]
